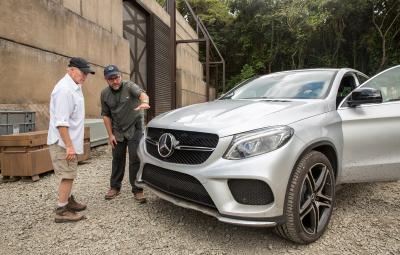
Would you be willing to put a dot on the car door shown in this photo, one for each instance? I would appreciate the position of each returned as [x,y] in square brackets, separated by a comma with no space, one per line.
[371,133]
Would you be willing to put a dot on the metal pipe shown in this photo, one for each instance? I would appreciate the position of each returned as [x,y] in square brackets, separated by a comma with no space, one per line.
[190,41]
[215,47]
[195,17]
[223,76]
[202,27]
[172,33]
[208,68]
[213,43]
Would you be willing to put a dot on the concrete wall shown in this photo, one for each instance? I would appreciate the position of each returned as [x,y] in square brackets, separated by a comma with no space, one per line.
[189,75]
[37,39]
[105,13]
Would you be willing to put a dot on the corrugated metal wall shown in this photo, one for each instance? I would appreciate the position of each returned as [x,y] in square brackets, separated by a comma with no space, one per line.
[162,71]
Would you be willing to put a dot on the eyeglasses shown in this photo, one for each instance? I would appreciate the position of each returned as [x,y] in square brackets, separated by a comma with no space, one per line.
[113,78]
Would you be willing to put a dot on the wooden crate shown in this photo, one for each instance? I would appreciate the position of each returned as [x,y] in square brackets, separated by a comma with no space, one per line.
[86,152]
[27,154]
[28,163]
[1,157]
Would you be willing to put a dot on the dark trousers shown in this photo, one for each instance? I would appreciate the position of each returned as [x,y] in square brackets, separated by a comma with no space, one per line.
[118,164]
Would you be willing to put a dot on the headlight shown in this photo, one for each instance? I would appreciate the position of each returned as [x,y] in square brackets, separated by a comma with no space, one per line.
[257,142]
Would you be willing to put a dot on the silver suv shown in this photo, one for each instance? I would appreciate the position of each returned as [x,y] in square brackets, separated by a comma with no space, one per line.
[271,151]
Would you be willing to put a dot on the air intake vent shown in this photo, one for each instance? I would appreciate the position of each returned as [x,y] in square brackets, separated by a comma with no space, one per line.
[251,192]
[177,184]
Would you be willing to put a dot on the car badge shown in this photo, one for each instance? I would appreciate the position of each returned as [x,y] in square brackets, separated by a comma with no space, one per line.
[166,145]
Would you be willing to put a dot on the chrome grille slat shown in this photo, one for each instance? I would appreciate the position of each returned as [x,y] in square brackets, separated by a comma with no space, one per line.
[193,147]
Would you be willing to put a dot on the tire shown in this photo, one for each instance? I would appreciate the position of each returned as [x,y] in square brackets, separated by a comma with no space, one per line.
[309,199]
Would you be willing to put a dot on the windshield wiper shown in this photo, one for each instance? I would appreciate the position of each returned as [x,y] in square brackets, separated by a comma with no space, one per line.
[228,96]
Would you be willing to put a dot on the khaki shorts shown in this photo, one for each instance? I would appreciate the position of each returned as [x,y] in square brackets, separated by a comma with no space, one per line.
[62,168]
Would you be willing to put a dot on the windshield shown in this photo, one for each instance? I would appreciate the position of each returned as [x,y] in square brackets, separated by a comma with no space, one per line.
[310,84]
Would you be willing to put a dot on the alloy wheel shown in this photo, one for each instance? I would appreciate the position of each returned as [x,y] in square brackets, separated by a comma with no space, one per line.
[316,197]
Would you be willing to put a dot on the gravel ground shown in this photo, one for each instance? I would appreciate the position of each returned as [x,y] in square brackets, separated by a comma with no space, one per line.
[366,220]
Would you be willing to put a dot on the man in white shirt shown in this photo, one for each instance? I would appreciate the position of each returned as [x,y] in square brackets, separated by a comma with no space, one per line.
[65,136]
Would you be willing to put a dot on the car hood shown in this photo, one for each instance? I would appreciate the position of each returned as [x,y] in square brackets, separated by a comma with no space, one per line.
[228,117]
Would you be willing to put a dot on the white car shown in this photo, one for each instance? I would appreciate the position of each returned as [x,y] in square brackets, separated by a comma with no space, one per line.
[271,151]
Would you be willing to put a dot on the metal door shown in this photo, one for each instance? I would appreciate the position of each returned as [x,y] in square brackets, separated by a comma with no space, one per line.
[371,141]
[149,41]
[135,31]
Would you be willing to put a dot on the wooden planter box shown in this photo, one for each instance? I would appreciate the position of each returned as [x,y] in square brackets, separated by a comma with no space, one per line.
[27,154]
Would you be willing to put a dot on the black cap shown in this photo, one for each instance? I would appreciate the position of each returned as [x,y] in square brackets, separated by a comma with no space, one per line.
[110,70]
[81,64]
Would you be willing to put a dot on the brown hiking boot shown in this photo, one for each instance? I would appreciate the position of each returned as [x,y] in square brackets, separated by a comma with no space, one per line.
[65,215]
[75,206]
[111,193]
[139,197]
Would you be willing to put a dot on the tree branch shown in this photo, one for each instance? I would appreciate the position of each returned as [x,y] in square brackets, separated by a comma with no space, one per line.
[393,21]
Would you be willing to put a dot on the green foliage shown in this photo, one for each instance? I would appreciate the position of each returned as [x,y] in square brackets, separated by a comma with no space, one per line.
[263,36]
[246,73]
[211,11]
[161,2]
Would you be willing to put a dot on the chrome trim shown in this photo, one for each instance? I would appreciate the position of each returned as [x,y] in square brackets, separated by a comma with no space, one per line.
[193,148]
[151,141]
[184,147]
[205,210]
[166,145]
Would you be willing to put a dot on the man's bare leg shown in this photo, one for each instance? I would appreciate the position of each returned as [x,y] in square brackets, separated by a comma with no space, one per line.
[64,190]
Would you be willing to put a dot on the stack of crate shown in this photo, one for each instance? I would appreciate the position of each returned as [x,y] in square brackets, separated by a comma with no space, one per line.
[16,121]
[27,154]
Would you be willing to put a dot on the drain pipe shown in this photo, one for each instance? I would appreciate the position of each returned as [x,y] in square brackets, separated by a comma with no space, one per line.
[171,8]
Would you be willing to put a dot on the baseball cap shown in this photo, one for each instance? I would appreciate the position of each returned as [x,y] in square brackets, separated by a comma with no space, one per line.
[110,70]
[81,64]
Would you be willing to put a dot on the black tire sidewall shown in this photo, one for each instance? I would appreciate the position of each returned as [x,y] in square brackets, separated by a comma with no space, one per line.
[296,182]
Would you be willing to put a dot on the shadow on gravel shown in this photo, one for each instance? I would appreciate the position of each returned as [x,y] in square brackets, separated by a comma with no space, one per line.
[355,194]
[200,227]
[351,200]
[352,190]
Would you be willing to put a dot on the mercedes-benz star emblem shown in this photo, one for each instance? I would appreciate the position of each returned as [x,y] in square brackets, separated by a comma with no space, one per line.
[166,145]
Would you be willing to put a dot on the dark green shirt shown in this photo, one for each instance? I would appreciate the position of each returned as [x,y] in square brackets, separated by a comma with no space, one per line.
[120,106]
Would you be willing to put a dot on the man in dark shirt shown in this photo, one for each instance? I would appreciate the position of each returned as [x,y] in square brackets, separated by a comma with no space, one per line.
[122,103]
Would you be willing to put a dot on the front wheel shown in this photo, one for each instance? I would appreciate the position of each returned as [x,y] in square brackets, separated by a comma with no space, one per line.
[309,199]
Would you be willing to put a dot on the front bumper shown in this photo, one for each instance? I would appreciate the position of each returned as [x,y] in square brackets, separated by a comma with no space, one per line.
[273,168]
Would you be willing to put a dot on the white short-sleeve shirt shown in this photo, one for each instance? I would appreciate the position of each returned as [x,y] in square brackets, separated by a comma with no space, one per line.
[67,109]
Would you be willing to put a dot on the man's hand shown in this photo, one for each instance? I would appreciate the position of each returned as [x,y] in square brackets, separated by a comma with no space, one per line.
[142,106]
[71,154]
[112,141]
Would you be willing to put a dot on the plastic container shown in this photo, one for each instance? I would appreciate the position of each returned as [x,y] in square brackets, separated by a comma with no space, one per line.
[16,117]
[16,128]
[16,121]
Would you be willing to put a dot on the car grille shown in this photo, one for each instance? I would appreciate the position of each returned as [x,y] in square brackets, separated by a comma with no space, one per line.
[177,184]
[251,192]
[186,139]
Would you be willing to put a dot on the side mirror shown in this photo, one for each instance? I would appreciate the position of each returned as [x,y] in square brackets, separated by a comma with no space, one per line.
[365,96]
